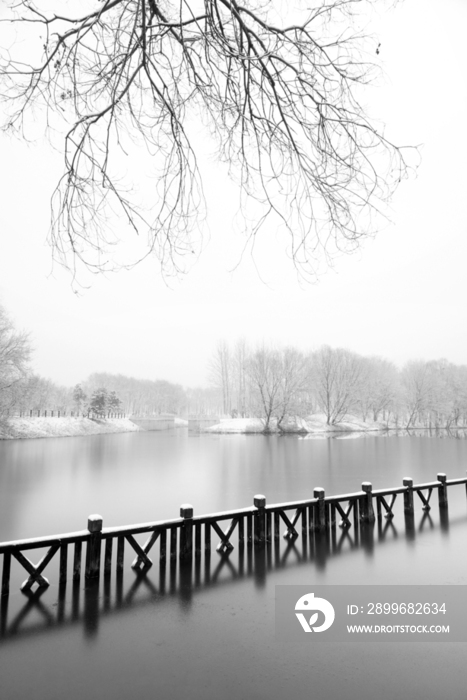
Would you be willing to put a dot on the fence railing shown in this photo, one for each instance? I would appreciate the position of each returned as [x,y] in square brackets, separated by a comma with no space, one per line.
[190,535]
[54,413]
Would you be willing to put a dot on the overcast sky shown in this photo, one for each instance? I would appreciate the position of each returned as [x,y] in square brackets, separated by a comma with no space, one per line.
[402,296]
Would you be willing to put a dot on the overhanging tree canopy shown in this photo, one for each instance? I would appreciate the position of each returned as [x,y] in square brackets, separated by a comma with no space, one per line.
[280,98]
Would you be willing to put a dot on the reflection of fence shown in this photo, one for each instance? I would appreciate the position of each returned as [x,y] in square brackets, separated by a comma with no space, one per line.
[255,525]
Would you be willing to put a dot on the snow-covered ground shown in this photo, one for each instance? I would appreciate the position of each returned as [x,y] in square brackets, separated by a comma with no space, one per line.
[63,427]
[315,424]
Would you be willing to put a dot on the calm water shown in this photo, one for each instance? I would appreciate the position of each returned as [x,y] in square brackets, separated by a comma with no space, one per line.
[207,630]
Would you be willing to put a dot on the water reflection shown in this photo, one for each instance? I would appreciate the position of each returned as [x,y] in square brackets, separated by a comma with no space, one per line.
[87,603]
[458,433]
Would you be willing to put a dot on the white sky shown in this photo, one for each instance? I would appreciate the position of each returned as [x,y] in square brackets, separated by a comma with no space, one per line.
[401,297]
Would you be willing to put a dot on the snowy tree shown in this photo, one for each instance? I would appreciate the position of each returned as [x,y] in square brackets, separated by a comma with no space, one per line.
[79,397]
[15,353]
[337,376]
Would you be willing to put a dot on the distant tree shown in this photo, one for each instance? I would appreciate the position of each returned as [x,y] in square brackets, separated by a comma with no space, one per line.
[265,375]
[79,397]
[240,377]
[441,404]
[295,376]
[457,378]
[34,392]
[416,384]
[39,393]
[202,401]
[140,396]
[434,392]
[378,389]
[114,404]
[281,92]
[99,402]
[277,376]
[337,376]
[221,370]
[15,353]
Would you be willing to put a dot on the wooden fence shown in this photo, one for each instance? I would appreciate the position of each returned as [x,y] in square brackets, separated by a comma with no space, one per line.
[54,413]
[190,535]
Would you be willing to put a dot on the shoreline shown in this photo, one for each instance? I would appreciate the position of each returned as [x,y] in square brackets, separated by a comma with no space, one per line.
[316,427]
[33,428]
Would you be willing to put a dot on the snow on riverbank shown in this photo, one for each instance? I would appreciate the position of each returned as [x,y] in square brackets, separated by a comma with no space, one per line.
[315,424]
[17,428]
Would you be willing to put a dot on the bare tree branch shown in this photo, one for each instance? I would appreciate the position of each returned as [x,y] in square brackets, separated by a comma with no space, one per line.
[281,101]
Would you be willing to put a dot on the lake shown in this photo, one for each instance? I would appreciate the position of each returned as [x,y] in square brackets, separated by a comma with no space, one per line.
[206,630]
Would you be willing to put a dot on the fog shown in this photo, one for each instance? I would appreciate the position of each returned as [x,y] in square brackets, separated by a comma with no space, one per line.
[400,297]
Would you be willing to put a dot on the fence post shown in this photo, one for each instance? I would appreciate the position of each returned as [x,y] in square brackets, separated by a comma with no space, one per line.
[442,491]
[368,513]
[259,501]
[186,531]
[319,520]
[6,573]
[408,495]
[93,549]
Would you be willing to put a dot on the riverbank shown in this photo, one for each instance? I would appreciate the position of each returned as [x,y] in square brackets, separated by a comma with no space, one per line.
[313,425]
[22,428]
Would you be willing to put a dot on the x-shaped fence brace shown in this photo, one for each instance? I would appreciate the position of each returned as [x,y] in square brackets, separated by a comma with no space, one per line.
[142,561]
[345,522]
[387,507]
[426,501]
[224,545]
[290,533]
[35,572]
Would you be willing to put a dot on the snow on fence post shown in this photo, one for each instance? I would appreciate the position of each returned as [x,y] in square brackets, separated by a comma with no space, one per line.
[408,495]
[93,549]
[442,491]
[319,519]
[186,531]
[259,501]
[368,514]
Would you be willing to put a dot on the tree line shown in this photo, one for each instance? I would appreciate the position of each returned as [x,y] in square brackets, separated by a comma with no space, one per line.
[22,390]
[100,394]
[280,383]
[273,383]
